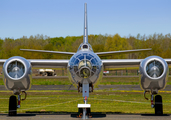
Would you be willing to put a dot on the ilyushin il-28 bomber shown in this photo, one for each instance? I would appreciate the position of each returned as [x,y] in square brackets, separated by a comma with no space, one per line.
[85,68]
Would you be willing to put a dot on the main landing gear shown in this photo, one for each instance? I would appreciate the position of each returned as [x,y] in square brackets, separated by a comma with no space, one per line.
[156,103]
[84,111]
[14,103]
[12,106]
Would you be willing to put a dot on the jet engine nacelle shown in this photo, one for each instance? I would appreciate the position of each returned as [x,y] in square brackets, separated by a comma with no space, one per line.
[153,73]
[17,74]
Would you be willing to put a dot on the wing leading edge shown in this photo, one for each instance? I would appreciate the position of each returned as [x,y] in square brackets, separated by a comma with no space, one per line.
[64,63]
[49,63]
[46,51]
[125,62]
[44,63]
[122,52]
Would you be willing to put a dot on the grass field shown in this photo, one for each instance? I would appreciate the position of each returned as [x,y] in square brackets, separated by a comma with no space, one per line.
[101,101]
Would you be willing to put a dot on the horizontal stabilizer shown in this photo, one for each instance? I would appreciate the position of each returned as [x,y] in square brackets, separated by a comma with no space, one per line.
[46,51]
[122,52]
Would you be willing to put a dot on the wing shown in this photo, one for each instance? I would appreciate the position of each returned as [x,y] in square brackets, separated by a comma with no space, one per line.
[44,63]
[46,51]
[2,61]
[111,63]
[48,63]
[121,52]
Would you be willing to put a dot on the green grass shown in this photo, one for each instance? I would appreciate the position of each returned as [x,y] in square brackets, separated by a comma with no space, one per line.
[101,101]
[51,82]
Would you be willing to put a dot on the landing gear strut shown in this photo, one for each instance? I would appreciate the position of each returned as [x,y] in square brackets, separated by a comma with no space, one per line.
[158,106]
[84,109]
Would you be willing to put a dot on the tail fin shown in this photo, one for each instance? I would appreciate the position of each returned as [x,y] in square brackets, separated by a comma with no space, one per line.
[85,38]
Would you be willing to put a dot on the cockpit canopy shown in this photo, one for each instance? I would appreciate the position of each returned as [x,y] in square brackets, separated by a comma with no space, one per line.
[84,47]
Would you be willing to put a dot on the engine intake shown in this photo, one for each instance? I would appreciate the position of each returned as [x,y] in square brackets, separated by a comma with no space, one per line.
[15,69]
[154,69]
[153,74]
[17,74]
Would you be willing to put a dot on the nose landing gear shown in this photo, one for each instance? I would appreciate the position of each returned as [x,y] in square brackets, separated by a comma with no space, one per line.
[84,111]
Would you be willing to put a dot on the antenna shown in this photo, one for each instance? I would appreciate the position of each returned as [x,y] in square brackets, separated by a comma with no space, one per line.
[85,38]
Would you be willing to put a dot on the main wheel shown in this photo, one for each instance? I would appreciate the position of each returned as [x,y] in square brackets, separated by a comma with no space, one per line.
[158,105]
[12,106]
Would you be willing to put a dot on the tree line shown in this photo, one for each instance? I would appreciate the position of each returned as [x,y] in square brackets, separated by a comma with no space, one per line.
[160,44]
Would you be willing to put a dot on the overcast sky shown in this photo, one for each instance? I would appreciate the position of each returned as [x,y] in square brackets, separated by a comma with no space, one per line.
[56,18]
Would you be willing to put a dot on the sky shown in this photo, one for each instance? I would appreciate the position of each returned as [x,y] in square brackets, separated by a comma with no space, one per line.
[56,18]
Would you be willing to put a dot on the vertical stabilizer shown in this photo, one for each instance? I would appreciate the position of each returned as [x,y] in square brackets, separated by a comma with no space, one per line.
[85,38]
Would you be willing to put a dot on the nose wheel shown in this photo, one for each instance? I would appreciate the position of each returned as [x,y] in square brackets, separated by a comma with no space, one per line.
[82,111]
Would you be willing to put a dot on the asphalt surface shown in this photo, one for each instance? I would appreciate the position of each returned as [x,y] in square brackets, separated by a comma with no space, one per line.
[94,117]
[100,87]
[57,77]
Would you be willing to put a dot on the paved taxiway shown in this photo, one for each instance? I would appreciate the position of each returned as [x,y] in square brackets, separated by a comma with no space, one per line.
[96,117]
[71,87]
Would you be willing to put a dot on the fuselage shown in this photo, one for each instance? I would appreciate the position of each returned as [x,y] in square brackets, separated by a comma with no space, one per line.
[85,64]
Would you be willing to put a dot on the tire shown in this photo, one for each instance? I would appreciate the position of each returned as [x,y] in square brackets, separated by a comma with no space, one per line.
[158,105]
[88,111]
[12,106]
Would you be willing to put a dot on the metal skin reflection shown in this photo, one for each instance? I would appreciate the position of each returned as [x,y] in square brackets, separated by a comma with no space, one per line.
[153,74]
[17,74]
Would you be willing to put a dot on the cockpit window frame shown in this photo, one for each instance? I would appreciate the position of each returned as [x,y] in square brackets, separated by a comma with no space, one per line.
[85,46]
[81,47]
